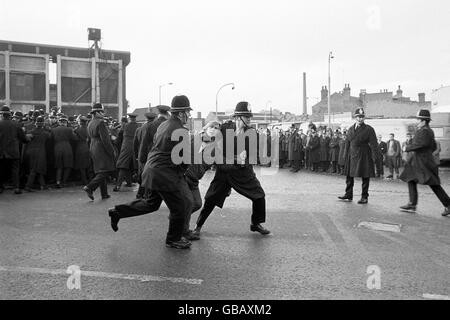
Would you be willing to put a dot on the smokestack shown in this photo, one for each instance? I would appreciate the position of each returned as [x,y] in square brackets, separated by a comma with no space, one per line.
[305,105]
[324,94]
[422,97]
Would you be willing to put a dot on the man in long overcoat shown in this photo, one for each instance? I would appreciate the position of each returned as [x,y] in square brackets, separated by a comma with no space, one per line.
[314,150]
[360,156]
[148,134]
[102,153]
[126,162]
[82,154]
[421,167]
[138,138]
[342,145]
[62,138]
[334,151]
[295,150]
[165,179]
[35,154]
[282,154]
[324,151]
[11,134]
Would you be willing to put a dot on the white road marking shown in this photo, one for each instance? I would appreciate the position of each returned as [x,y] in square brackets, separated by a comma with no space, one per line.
[436,296]
[380,226]
[96,274]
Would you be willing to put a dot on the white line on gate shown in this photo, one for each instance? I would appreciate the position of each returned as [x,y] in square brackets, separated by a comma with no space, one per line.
[95,274]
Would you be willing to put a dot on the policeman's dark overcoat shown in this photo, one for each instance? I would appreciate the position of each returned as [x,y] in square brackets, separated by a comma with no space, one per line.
[11,134]
[160,173]
[35,154]
[82,154]
[126,158]
[148,133]
[342,146]
[102,151]
[324,148]
[360,152]
[421,166]
[295,147]
[62,137]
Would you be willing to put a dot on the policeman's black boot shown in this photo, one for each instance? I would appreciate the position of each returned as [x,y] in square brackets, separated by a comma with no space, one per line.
[115,217]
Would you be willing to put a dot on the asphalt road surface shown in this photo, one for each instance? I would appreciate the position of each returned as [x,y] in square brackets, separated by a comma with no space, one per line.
[316,250]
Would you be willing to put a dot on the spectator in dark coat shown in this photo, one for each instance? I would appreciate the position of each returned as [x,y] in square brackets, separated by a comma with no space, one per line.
[102,153]
[62,138]
[295,150]
[11,134]
[381,150]
[126,162]
[334,151]
[35,155]
[421,167]
[342,145]
[324,151]
[282,155]
[314,150]
[82,153]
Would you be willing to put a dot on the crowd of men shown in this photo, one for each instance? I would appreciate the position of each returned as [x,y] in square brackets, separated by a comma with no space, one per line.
[52,150]
[322,150]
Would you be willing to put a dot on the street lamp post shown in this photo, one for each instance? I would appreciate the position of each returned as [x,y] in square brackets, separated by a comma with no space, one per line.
[330,56]
[162,85]
[217,95]
[265,111]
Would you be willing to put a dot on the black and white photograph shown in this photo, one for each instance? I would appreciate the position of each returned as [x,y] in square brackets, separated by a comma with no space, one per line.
[226,156]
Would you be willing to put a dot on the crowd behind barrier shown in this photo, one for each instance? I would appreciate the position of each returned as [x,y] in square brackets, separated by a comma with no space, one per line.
[56,154]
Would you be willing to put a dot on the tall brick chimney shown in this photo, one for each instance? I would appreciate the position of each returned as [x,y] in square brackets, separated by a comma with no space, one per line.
[399,92]
[422,97]
[346,92]
[324,93]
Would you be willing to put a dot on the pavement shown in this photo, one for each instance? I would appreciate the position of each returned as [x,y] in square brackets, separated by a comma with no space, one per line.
[316,249]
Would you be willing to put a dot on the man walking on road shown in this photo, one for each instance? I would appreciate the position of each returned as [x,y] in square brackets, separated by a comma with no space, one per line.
[102,152]
[421,167]
[360,157]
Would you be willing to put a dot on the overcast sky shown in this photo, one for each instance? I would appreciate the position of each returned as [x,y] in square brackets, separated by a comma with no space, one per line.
[261,46]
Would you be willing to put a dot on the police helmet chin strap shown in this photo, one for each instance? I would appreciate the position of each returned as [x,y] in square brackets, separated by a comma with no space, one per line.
[245,124]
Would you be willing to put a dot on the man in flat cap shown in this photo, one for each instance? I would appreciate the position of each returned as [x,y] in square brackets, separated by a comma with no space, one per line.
[360,156]
[126,162]
[165,180]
